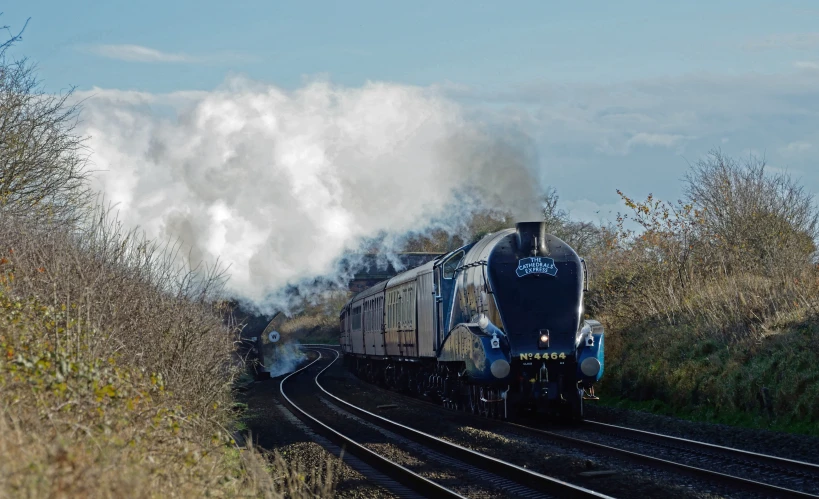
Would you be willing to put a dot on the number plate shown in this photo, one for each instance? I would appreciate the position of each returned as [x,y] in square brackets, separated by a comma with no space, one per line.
[543,356]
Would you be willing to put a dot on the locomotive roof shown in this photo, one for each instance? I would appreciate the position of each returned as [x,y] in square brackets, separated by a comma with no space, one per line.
[476,252]
[484,247]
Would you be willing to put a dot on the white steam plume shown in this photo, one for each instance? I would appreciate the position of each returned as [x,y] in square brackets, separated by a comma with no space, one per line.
[284,358]
[279,184]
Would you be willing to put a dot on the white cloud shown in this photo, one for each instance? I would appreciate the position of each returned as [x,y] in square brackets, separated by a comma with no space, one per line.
[796,148]
[617,143]
[806,65]
[655,139]
[136,97]
[797,41]
[139,53]
[583,131]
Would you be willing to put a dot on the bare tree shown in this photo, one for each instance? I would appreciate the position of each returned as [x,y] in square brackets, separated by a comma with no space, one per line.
[12,37]
[755,219]
[584,237]
[42,160]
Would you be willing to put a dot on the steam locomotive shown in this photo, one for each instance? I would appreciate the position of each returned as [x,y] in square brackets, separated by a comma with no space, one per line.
[493,327]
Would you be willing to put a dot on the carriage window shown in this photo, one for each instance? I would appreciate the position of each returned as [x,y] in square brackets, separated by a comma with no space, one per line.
[357,318]
[391,310]
[452,264]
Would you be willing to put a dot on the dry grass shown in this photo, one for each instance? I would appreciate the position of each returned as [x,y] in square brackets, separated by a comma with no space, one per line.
[734,308]
[279,477]
[115,378]
[78,421]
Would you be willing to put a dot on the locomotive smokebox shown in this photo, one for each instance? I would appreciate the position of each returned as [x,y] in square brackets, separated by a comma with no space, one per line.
[531,239]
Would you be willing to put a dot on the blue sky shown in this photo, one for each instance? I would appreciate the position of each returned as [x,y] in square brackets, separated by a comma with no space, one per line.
[613,94]
[492,44]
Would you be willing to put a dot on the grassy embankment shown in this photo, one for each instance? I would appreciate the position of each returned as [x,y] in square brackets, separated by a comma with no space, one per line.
[116,368]
[712,310]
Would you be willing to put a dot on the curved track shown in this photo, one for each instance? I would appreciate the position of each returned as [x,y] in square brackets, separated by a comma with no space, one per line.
[302,397]
[738,469]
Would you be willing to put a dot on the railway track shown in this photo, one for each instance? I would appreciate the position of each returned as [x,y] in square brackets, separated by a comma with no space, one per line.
[360,432]
[782,477]
[766,475]
[800,473]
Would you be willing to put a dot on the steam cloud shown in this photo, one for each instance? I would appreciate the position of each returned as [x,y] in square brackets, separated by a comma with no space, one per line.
[284,358]
[279,184]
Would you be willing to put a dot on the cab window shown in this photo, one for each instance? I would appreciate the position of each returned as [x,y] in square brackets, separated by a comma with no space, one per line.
[452,263]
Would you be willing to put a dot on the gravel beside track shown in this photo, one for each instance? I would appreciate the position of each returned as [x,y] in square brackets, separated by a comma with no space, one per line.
[273,426]
[604,475]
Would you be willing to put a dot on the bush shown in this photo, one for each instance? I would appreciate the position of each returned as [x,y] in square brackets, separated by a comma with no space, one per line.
[729,260]
[317,321]
[754,221]
[80,421]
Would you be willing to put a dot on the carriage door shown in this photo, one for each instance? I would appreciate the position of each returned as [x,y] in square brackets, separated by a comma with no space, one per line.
[439,307]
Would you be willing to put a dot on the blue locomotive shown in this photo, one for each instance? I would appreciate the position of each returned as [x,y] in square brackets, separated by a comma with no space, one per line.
[492,327]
